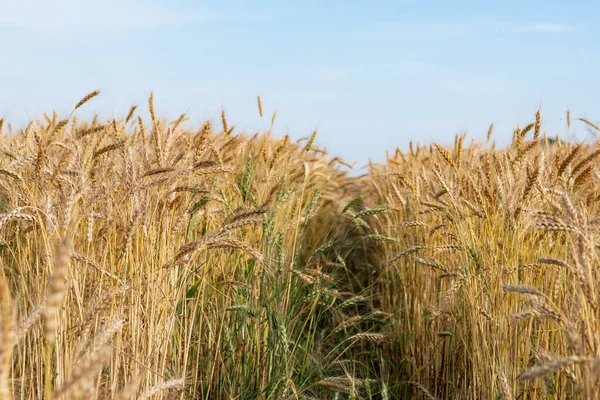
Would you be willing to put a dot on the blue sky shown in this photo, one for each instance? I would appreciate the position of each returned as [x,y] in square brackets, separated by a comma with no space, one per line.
[369,76]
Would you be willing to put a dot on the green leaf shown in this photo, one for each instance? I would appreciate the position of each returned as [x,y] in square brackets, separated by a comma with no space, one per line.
[190,294]
[198,205]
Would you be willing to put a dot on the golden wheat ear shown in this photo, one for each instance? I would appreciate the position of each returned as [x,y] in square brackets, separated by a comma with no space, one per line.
[57,288]
[170,384]
[82,380]
[130,389]
[8,336]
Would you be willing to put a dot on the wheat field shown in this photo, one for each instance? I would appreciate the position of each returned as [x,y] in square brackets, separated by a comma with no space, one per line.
[149,260]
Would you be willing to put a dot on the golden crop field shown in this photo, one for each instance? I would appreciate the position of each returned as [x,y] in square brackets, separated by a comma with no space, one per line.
[141,259]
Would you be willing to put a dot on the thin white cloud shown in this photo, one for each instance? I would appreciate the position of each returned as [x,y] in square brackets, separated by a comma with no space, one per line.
[446,29]
[451,80]
[541,28]
[416,29]
[63,15]
[552,28]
